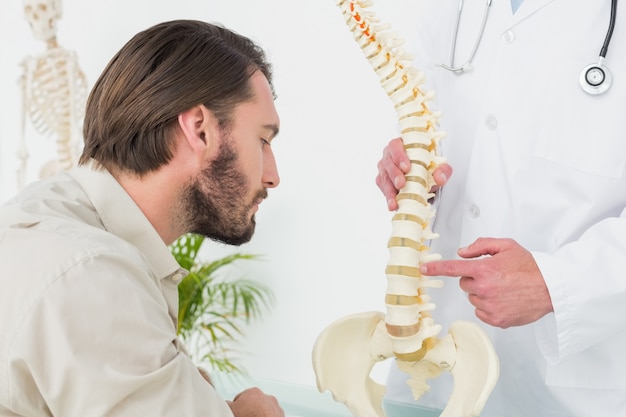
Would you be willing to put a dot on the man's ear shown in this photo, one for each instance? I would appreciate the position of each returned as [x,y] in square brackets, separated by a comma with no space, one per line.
[198,125]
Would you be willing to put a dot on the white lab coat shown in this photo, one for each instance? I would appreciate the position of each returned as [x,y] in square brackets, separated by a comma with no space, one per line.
[538,160]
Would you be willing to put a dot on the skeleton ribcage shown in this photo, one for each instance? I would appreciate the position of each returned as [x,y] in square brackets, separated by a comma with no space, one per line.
[55,92]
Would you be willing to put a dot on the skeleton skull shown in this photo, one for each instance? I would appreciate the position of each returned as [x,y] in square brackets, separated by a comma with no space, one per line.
[42,16]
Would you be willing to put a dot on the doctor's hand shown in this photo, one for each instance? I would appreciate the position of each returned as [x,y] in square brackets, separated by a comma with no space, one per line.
[254,403]
[501,279]
[392,167]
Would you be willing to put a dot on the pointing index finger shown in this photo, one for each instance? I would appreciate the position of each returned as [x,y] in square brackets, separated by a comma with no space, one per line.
[448,268]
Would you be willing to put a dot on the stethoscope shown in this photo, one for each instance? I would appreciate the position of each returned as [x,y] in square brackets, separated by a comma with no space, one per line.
[594,78]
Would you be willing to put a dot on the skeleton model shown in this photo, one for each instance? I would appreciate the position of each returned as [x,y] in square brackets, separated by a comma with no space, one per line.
[346,351]
[53,90]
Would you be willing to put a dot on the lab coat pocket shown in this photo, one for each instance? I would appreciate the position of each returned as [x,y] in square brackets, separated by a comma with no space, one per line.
[583,132]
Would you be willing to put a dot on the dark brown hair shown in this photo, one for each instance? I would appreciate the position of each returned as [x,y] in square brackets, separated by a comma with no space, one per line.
[132,110]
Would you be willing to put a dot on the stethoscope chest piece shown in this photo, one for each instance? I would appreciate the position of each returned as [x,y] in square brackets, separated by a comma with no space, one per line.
[595,78]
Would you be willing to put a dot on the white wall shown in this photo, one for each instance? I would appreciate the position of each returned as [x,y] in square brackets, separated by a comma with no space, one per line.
[323,232]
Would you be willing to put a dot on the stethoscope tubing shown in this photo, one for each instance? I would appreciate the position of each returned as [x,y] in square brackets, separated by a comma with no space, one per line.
[609,32]
[468,62]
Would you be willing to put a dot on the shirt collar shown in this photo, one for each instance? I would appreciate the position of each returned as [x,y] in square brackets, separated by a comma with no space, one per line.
[121,216]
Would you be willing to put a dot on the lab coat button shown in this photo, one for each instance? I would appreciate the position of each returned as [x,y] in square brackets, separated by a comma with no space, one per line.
[177,277]
[491,122]
[474,211]
[508,36]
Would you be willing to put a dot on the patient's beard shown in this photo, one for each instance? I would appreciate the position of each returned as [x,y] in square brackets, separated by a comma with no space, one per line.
[215,200]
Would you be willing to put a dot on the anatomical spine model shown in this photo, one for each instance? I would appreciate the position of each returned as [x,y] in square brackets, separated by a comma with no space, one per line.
[346,351]
[54,90]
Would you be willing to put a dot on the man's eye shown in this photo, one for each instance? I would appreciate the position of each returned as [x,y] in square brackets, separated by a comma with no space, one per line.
[265,142]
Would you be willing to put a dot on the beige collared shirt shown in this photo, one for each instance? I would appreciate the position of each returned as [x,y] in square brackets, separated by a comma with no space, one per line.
[88,307]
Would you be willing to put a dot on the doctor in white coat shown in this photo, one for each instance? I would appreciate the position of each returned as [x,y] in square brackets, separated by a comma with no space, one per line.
[538,194]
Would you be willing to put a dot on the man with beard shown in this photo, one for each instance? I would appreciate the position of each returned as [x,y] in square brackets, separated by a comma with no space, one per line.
[177,139]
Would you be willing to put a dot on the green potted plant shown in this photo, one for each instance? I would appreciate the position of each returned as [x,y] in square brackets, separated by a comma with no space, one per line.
[213,306]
